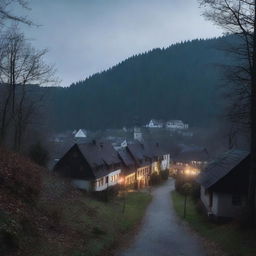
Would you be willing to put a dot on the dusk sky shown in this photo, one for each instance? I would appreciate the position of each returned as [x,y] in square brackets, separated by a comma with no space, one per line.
[88,36]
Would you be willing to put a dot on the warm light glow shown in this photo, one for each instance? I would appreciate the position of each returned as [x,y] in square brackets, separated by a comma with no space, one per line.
[121,180]
[190,171]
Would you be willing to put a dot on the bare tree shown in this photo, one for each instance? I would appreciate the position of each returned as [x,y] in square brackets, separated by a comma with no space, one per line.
[239,17]
[21,66]
[6,11]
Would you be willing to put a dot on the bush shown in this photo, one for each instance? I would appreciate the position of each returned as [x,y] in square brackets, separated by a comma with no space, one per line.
[155,179]
[39,154]
[9,230]
[106,194]
[19,177]
[164,174]
[181,180]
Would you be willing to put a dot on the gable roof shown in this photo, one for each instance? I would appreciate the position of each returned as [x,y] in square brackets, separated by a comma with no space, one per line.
[99,153]
[81,133]
[189,154]
[126,157]
[220,167]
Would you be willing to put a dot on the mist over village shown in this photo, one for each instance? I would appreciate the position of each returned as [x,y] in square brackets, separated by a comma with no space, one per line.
[128,128]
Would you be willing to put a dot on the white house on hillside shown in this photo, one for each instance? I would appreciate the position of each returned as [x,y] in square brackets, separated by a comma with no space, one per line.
[176,125]
[81,133]
[155,124]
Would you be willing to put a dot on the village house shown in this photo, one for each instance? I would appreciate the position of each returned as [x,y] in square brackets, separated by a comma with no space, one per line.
[176,125]
[224,185]
[93,166]
[129,169]
[155,124]
[143,165]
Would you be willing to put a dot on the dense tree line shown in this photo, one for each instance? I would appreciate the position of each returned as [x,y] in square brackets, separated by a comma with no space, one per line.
[176,82]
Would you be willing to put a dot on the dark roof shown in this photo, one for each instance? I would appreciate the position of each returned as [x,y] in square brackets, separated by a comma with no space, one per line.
[136,150]
[220,167]
[153,149]
[193,154]
[99,153]
[126,157]
[138,153]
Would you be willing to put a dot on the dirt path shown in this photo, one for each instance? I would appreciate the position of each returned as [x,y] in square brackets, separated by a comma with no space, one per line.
[161,233]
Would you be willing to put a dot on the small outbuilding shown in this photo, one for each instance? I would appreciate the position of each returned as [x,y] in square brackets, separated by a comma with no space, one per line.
[224,184]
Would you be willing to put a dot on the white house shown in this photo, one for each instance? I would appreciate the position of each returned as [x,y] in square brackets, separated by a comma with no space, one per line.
[176,125]
[93,166]
[224,185]
[80,134]
[155,124]
[165,163]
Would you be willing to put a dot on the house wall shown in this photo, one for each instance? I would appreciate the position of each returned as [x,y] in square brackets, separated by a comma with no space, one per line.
[112,178]
[130,179]
[222,205]
[165,163]
[82,184]
[143,176]
[227,209]
[155,167]
[205,198]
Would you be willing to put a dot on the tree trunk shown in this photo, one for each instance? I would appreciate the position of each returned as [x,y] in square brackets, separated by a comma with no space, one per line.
[252,180]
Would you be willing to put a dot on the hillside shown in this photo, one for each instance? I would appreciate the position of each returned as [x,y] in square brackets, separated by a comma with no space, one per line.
[181,81]
[41,214]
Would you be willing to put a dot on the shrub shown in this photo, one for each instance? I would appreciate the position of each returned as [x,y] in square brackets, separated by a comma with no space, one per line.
[164,174]
[155,179]
[39,154]
[19,177]
[181,180]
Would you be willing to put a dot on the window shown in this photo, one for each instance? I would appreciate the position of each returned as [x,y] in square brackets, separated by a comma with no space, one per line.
[236,200]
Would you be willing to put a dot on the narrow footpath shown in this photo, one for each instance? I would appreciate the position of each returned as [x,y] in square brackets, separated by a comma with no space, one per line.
[162,233]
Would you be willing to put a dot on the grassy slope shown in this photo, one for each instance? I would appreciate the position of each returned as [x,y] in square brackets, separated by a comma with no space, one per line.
[85,226]
[43,215]
[232,239]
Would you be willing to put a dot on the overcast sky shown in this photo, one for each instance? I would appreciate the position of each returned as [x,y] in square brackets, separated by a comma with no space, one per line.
[88,36]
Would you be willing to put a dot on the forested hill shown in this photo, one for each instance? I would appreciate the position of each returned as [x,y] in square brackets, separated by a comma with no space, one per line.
[180,82]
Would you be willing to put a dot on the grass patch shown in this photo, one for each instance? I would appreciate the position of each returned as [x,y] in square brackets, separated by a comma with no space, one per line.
[97,227]
[231,238]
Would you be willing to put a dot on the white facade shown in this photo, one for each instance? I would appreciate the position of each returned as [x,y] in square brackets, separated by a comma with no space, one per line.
[155,167]
[165,163]
[124,144]
[154,124]
[223,204]
[107,181]
[81,134]
[176,125]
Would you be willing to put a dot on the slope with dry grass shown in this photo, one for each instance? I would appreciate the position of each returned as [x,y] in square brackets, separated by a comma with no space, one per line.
[41,214]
